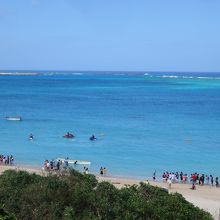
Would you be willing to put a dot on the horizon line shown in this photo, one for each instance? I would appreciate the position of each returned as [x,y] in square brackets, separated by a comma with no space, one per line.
[131,71]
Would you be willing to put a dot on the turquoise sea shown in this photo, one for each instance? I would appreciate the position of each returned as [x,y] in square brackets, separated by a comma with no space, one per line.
[143,121]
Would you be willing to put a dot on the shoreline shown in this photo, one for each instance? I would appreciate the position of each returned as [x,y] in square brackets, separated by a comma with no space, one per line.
[205,197]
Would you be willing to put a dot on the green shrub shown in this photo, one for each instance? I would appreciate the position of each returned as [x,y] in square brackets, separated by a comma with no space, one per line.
[5,215]
[77,196]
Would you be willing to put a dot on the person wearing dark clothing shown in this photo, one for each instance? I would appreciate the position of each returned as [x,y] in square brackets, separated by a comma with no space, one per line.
[92,138]
[216,182]
[211,179]
[58,165]
[101,171]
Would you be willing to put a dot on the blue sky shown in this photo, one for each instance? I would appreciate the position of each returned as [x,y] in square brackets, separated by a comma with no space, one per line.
[156,35]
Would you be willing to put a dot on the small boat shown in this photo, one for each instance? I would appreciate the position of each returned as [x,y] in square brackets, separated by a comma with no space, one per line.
[75,162]
[68,135]
[13,118]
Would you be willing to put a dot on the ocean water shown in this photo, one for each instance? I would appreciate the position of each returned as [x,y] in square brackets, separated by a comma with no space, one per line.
[143,121]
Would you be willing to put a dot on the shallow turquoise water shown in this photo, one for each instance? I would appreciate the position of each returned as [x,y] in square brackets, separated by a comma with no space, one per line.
[143,122]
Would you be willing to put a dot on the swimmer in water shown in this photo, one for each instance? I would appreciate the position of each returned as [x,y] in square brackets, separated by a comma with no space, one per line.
[31,137]
[92,138]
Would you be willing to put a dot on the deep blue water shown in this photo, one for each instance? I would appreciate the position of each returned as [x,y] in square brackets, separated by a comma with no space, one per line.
[159,121]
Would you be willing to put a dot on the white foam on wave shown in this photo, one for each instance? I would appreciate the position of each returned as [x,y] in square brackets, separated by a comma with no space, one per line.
[48,74]
[18,74]
[189,77]
[61,73]
[207,77]
[119,74]
[78,74]
[168,76]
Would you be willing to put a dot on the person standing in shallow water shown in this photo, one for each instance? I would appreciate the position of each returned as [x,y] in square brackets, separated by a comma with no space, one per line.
[154,175]
[216,182]
[104,171]
[101,171]
[207,180]
[212,180]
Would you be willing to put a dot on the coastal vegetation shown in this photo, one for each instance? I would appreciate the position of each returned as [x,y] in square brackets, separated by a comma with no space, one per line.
[72,195]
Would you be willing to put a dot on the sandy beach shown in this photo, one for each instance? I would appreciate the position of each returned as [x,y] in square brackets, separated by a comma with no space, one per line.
[205,197]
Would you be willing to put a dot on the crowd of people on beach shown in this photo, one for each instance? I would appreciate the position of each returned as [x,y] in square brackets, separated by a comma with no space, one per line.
[194,179]
[6,160]
[57,165]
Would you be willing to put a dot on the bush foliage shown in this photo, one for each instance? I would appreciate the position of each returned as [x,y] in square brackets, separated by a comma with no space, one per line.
[76,196]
